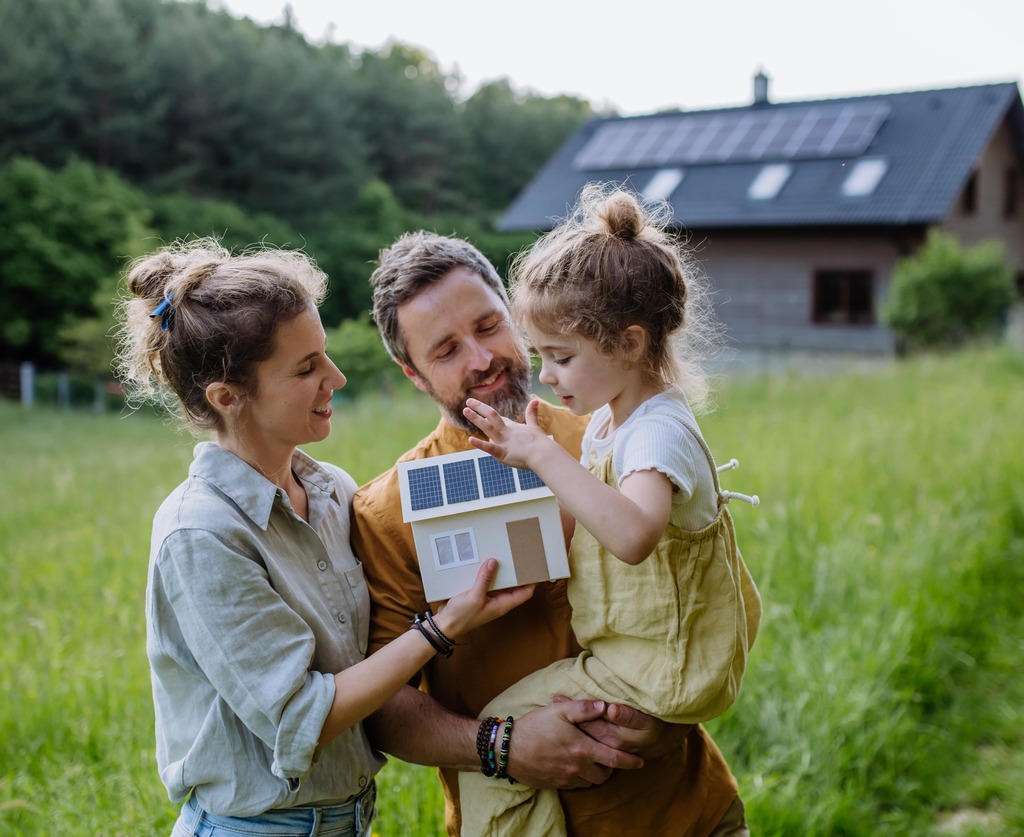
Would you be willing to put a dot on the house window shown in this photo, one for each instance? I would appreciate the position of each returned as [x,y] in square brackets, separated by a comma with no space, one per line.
[1010,195]
[843,297]
[969,198]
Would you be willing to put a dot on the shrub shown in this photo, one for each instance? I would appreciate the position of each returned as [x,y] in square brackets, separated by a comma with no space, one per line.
[357,349]
[946,295]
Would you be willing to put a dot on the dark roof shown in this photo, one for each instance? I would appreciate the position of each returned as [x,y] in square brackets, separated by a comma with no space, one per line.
[926,142]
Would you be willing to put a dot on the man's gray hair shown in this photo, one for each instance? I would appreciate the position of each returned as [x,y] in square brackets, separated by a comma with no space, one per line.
[414,262]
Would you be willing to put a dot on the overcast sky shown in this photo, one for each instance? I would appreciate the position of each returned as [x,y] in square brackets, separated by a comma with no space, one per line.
[640,56]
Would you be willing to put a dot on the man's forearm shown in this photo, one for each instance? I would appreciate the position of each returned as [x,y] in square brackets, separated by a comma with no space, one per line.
[414,727]
[548,749]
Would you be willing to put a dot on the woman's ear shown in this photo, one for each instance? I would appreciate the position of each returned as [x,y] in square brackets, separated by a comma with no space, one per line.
[226,399]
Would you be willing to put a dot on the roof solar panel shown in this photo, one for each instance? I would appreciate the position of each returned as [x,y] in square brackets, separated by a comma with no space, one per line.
[460,484]
[425,488]
[496,477]
[821,130]
[528,479]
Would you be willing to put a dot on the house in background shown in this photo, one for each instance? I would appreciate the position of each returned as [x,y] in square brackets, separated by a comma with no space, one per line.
[798,211]
[467,506]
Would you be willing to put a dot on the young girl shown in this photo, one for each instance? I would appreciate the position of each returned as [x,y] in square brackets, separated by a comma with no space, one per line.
[661,600]
[256,609]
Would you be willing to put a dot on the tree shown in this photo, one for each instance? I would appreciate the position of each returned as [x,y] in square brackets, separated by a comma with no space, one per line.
[346,245]
[61,234]
[181,216]
[35,100]
[356,347]
[946,295]
[511,135]
[407,113]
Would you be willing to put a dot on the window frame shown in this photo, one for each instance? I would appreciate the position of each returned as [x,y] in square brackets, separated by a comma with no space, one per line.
[852,315]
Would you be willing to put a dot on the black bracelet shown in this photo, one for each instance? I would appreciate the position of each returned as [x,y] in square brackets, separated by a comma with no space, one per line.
[437,630]
[435,642]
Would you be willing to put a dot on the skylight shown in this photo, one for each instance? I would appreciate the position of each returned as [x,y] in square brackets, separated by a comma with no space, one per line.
[864,177]
[663,184]
[769,181]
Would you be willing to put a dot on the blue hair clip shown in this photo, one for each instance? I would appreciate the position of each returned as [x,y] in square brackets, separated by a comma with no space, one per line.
[165,312]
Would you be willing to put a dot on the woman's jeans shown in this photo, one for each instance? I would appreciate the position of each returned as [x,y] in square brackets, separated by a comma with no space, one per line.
[352,819]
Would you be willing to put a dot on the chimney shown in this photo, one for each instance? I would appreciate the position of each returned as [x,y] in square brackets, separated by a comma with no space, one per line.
[760,88]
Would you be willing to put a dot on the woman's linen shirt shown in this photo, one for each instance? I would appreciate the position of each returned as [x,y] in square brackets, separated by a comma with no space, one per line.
[250,612]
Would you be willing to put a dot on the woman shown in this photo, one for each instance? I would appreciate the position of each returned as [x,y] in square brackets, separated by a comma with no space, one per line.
[256,607]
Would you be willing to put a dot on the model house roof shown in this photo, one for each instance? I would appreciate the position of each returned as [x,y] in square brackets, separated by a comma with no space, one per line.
[460,482]
[890,159]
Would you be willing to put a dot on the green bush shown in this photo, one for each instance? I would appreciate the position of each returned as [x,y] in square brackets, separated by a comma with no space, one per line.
[357,349]
[947,295]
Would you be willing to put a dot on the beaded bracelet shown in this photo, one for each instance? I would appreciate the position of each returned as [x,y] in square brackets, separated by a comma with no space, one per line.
[506,738]
[492,762]
[436,642]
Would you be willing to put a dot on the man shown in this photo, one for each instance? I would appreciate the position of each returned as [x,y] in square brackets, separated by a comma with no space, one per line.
[443,314]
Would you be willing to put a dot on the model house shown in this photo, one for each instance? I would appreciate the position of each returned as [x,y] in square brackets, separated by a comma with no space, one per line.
[466,507]
[798,211]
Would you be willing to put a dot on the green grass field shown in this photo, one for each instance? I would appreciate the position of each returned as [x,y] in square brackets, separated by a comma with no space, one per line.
[884,695]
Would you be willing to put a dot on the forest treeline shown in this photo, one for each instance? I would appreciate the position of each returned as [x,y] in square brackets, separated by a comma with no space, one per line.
[128,123]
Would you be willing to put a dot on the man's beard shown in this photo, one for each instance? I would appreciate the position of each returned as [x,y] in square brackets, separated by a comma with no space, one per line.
[510,401]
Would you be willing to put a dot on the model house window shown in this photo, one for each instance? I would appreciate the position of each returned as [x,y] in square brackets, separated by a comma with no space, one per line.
[969,198]
[454,549]
[1010,196]
[843,297]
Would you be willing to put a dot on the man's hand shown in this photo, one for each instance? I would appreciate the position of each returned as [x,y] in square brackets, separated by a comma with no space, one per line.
[631,731]
[548,750]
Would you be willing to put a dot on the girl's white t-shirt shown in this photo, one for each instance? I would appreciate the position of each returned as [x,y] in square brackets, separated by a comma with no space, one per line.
[654,438]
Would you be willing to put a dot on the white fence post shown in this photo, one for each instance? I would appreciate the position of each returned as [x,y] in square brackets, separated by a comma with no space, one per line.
[28,383]
[63,389]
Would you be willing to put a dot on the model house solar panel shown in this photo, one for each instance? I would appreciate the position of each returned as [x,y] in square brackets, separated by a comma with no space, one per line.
[467,506]
[841,130]
[497,478]
[460,485]
[425,488]
[528,479]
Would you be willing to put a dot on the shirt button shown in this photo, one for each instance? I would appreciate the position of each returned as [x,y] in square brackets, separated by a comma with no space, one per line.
[362,781]
[342,618]
[322,565]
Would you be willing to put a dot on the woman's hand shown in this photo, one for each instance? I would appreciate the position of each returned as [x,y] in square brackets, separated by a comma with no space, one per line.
[479,604]
[507,441]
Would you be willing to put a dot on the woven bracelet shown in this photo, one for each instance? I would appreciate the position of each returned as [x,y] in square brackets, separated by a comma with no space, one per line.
[435,642]
[437,630]
[484,741]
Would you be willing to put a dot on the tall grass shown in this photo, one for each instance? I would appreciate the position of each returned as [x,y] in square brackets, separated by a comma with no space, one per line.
[889,550]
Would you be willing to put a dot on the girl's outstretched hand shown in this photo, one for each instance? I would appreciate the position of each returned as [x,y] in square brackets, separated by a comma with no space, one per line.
[507,441]
[479,604]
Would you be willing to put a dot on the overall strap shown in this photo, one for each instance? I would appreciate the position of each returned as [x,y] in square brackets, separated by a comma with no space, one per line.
[723,496]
